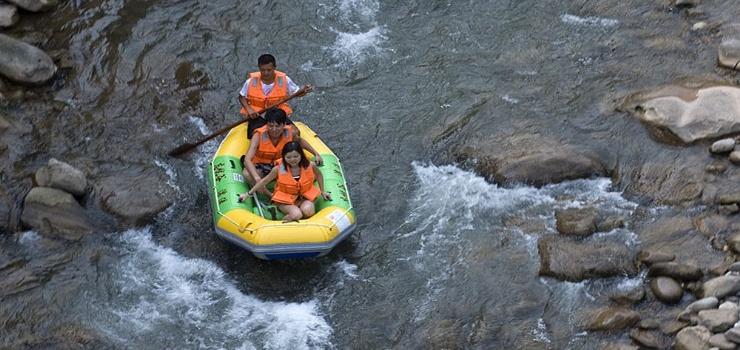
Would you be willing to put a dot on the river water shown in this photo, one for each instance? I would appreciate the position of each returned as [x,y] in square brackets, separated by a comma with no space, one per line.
[441,259]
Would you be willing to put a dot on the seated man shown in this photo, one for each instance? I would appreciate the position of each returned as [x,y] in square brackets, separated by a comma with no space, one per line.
[266,146]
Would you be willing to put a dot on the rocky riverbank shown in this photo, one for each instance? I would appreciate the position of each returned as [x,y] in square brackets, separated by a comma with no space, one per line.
[689,300]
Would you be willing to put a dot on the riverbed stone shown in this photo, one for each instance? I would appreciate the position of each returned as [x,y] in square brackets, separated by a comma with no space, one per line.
[649,339]
[650,256]
[701,304]
[576,221]
[61,175]
[725,145]
[631,296]
[136,194]
[720,342]
[729,48]
[692,338]
[678,114]
[24,63]
[729,198]
[34,5]
[734,157]
[721,286]
[733,334]
[8,15]
[53,211]
[611,319]
[718,320]
[678,271]
[666,289]
[565,259]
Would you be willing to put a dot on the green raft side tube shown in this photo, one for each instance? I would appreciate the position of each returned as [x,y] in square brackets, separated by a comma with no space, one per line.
[227,182]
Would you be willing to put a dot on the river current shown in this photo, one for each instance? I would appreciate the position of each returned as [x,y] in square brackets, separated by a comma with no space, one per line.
[441,258]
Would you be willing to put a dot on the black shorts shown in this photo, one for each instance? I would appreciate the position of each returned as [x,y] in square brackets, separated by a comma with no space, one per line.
[263,169]
[254,124]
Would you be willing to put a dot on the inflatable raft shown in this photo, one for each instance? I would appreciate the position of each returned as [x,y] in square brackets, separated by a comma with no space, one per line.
[256,224]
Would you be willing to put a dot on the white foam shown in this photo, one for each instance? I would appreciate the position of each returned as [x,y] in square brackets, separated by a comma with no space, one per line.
[204,152]
[356,47]
[163,295]
[604,22]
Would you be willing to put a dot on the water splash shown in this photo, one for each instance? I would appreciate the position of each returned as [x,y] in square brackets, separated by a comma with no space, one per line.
[163,298]
[604,22]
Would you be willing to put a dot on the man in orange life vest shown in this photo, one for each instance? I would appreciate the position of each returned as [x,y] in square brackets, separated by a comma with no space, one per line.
[266,145]
[264,88]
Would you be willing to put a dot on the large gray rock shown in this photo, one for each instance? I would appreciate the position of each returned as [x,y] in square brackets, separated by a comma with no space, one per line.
[531,159]
[686,114]
[24,63]
[565,259]
[63,176]
[136,195]
[53,211]
[35,5]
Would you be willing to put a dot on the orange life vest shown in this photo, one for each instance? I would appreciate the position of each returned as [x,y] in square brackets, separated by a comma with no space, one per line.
[287,188]
[268,153]
[257,99]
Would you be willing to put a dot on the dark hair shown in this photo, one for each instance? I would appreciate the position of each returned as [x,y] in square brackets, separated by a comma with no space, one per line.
[295,146]
[276,115]
[266,59]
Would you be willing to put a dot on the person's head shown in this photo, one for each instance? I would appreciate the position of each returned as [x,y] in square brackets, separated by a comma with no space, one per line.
[266,64]
[276,119]
[293,154]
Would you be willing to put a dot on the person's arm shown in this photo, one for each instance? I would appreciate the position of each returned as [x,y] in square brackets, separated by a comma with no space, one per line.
[251,169]
[251,113]
[309,148]
[320,179]
[272,175]
[293,88]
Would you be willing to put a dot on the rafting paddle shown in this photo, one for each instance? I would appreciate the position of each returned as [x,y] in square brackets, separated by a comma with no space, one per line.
[185,148]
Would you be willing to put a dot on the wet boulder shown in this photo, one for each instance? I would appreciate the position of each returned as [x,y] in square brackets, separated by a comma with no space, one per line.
[679,271]
[53,211]
[683,114]
[24,63]
[576,222]
[666,289]
[531,159]
[568,260]
[611,319]
[58,174]
[136,194]
[34,5]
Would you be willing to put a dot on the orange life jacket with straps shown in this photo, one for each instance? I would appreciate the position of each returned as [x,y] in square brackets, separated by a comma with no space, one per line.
[267,152]
[287,189]
[258,100]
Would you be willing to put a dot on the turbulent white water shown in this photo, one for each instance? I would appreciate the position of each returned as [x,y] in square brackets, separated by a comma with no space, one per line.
[191,303]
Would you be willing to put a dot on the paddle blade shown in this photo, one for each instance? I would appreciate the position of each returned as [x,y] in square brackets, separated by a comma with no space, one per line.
[182,149]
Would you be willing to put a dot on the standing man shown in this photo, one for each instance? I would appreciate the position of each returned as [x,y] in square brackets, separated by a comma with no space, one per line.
[265,88]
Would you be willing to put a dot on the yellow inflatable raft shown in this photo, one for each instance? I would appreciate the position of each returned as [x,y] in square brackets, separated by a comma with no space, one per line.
[256,224]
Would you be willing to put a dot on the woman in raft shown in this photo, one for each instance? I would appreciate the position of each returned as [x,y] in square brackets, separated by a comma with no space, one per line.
[294,190]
